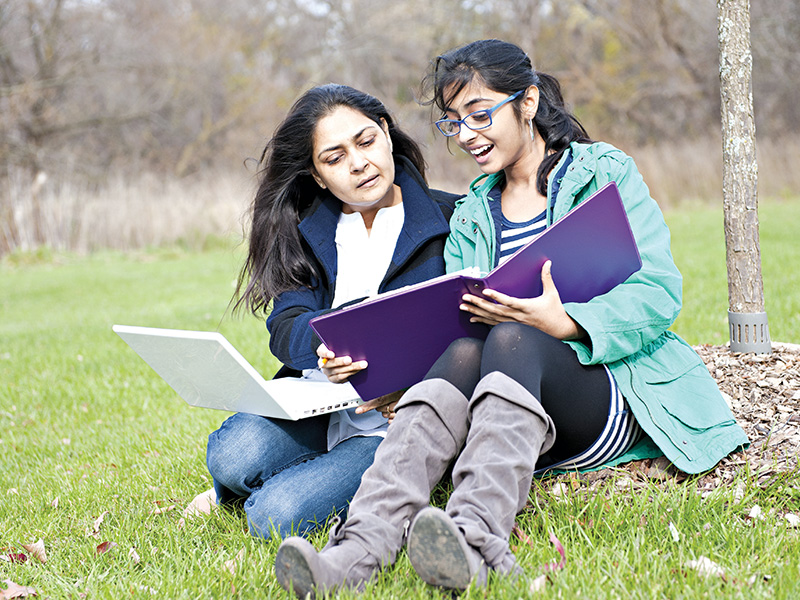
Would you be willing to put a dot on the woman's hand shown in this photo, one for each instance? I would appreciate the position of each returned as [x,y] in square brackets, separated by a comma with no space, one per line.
[338,368]
[545,312]
[385,404]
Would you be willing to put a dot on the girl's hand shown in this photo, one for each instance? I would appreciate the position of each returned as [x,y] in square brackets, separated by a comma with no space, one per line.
[337,368]
[545,312]
[385,404]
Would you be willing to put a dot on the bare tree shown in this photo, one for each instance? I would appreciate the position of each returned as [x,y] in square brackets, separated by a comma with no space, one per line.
[747,317]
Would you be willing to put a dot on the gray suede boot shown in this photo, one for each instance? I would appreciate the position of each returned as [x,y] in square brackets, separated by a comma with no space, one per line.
[427,433]
[492,477]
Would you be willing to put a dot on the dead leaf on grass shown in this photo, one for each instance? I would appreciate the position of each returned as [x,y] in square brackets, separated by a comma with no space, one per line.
[37,550]
[14,590]
[202,504]
[705,567]
[134,556]
[104,547]
[95,530]
[676,536]
[14,557]
[160,511]
[556,566]
[232,564]
[538,584]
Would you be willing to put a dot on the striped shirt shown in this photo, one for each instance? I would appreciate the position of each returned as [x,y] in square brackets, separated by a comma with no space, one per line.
[621,431]
[514,236]
[619,435]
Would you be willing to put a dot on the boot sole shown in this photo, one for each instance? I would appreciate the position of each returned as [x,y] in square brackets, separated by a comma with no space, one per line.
[293,571]
[437,550]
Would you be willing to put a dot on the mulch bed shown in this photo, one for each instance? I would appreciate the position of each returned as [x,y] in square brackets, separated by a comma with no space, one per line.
[763,391]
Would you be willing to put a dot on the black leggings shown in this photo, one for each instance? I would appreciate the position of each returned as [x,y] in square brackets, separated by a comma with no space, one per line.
[576,397]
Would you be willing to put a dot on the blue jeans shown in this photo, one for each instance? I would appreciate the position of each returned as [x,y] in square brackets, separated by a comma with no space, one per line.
[283,470]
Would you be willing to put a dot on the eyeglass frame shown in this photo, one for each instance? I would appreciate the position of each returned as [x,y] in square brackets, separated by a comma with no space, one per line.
[460,122]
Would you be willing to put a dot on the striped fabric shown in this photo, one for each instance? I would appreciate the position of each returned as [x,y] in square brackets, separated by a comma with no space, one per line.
[621,431]
[620,434]
[514,236]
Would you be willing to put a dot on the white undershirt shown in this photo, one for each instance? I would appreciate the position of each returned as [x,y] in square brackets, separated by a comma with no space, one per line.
[362,261]
[364,257]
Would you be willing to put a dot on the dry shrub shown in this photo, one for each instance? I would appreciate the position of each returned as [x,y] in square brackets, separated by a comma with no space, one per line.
[123,214]
[162,210]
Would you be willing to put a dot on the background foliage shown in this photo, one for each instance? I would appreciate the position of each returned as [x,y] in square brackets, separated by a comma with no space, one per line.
[99,94]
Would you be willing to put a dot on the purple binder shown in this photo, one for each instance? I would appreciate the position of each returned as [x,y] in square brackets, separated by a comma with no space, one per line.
[402,333]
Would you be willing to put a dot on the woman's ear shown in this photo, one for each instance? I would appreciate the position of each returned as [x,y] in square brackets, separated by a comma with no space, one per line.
[316,177]
[385,127]
[530,103]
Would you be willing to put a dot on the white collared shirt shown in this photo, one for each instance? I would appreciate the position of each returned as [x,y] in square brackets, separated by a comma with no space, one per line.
[362,261]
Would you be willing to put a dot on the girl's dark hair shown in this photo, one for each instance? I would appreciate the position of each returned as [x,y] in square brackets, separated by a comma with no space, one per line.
[506,69]
[276,261]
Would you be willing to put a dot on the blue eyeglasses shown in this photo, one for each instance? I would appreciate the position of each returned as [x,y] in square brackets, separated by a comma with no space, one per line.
[480,119]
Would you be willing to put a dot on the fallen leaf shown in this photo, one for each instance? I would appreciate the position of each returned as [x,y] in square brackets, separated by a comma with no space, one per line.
[15,591]
[14,557]
[559,491]
[676,537]
[54,503]
[755,513]
[705,567]
[202,504]
[134,556]
[37,550]
[231,565]
[553,566]
[96,525]
[105,547]
[144,588]
[538,584]
[160,511]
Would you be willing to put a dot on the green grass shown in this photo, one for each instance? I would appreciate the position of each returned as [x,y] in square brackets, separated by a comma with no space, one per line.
[83,420]
[698,245]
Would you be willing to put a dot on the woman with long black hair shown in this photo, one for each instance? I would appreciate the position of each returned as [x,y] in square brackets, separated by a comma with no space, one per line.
[342,212]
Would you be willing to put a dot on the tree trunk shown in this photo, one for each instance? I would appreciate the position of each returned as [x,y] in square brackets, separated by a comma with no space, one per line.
[747,317]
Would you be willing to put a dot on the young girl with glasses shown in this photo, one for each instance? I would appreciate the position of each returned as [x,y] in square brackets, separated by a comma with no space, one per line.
[342,212]
[554,385]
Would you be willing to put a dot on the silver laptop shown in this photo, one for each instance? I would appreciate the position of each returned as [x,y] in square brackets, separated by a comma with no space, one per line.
[206,370]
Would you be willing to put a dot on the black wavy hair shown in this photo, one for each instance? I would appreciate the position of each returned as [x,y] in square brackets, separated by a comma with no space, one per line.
[276,261]
[506,69]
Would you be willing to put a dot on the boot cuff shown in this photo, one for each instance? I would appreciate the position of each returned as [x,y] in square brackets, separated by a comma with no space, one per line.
[445,400]
[501,385]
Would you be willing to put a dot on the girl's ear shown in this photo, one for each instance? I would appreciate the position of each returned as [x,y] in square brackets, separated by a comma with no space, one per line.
[530,103]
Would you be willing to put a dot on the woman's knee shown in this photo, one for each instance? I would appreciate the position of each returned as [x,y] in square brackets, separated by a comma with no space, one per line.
[271,513]
[237,445]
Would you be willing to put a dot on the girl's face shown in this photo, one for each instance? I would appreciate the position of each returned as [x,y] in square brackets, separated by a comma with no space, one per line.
[507,141]
[352,158]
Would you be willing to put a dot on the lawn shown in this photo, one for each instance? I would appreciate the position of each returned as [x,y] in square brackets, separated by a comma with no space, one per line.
[95,448]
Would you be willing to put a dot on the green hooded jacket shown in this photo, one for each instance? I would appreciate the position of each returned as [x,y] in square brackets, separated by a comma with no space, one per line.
[669,389]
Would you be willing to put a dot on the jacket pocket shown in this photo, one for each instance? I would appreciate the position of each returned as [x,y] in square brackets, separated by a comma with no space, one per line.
[678,379]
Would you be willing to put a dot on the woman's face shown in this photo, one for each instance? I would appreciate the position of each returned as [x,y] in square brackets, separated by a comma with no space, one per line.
[352,158]
[507,141]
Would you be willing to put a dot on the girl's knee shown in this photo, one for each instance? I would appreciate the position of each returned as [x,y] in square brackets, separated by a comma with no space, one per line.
[511,336]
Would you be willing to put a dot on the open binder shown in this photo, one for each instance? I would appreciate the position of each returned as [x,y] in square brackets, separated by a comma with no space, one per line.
[402,333]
